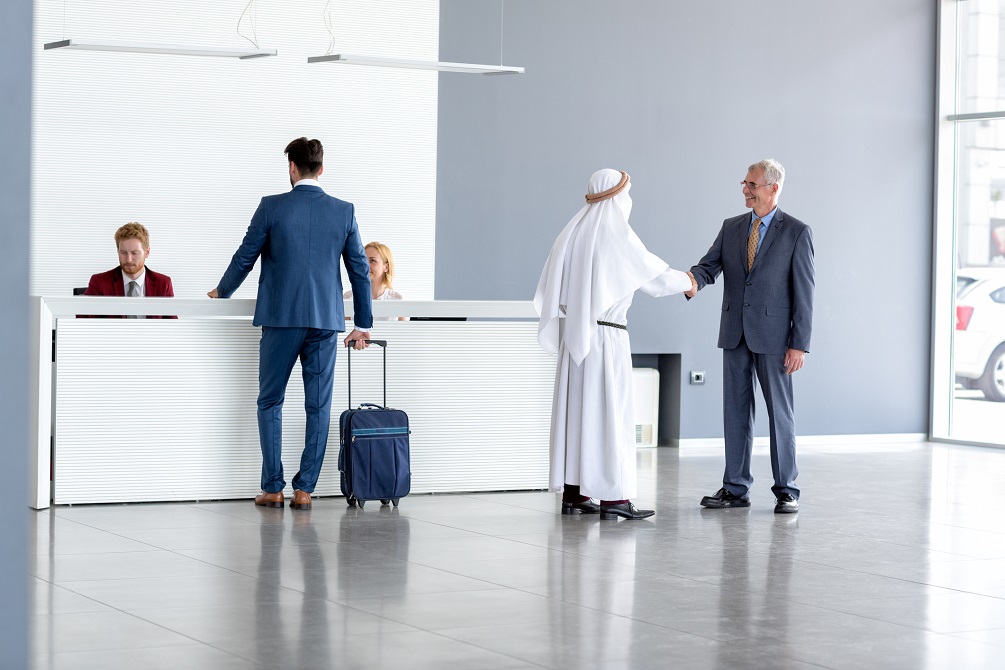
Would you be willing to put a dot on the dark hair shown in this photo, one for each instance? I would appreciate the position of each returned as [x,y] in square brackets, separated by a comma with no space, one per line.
[307,155]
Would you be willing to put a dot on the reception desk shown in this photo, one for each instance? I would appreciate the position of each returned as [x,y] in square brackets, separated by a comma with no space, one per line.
[132,410]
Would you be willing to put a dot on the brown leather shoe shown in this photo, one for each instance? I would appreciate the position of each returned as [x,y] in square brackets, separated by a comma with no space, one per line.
[264,499]
[301,499]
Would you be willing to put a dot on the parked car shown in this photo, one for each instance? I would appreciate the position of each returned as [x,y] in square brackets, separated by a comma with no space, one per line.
[979,344]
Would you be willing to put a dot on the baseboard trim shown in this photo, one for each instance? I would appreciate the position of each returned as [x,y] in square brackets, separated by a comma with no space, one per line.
[819,440]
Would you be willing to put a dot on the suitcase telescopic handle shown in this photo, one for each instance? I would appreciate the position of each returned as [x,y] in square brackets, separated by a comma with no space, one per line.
[348,367]
[379,343]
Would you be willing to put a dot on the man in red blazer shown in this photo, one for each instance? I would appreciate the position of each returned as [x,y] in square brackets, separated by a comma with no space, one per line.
[132,278]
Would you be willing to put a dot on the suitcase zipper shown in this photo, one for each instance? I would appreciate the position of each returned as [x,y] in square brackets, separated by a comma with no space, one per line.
[371,433]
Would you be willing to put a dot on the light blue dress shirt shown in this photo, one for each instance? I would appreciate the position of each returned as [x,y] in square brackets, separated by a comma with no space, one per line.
[765,222]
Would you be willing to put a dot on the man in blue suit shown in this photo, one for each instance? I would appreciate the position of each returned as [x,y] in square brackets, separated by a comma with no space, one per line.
[766,260]
[300,236]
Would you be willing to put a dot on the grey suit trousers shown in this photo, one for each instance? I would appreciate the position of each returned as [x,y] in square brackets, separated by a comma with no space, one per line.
[740,365]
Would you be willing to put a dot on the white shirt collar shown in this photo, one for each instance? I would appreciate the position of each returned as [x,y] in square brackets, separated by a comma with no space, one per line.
[308,182]
[141,282]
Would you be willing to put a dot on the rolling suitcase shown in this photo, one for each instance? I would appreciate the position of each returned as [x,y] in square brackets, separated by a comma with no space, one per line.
[373,456]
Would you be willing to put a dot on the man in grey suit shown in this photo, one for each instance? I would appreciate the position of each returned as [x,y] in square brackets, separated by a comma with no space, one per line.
[766,260]
[300,236]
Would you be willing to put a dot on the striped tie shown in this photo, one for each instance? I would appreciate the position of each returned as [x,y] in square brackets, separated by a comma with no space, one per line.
[755,234]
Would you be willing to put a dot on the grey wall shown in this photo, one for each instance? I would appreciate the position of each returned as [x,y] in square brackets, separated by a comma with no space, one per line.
[684,96]
[15,159]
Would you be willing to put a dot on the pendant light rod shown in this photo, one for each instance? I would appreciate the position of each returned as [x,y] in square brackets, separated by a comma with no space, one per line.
[408,63]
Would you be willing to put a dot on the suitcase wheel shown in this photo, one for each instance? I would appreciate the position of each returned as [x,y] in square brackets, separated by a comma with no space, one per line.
[384,501]
[350,500]
[359,503]
[395,501]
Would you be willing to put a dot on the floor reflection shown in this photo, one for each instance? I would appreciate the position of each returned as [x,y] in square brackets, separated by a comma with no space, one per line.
[597,569]
[504,581]
[977,419]
[279,635]
[777,605]
[735,592]
[372,552]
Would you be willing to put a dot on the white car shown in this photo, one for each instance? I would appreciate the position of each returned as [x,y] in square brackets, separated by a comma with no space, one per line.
[979,344]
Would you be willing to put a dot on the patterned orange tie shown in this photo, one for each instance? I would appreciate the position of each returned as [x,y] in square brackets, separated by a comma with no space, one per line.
[755,234]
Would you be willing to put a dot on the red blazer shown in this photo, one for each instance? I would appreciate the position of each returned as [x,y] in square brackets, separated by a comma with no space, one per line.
[110,283]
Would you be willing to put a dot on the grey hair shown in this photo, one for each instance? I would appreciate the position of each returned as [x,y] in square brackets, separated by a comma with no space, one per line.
[774,173]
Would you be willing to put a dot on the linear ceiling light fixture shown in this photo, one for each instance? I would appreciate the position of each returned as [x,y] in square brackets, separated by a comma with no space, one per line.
[250,10]
[408,63]
[441,66]
[172,49]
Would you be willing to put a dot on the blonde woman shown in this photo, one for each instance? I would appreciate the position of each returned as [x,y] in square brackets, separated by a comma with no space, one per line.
[381,276]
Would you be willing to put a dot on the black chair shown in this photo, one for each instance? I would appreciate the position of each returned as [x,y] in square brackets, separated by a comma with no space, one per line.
[79,291]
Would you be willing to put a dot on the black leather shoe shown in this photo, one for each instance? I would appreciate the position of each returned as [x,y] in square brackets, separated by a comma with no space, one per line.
[625,511]
[722,499]
[786,504]
[585,507]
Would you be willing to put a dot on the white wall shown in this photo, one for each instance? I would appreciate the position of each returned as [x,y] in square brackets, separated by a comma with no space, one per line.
[188,145]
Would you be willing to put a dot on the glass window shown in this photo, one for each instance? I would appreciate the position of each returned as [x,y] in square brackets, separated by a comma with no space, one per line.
[963,284]
[981,76]
[969,332]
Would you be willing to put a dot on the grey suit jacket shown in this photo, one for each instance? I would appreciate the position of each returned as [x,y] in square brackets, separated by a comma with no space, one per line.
[771,306]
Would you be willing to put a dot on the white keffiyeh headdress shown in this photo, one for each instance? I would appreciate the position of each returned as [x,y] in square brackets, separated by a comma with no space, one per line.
[597,261]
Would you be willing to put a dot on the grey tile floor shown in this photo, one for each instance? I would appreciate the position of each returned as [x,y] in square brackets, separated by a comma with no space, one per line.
[896,560]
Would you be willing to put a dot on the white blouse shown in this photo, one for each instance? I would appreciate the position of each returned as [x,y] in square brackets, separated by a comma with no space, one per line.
[388,294]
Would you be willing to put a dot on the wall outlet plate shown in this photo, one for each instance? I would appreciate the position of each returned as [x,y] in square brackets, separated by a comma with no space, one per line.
[697,376]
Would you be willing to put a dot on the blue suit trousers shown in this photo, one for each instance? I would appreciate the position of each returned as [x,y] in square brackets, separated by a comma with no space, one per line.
[279,349]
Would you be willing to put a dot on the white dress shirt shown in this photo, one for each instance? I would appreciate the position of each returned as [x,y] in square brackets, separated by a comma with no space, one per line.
[141,283]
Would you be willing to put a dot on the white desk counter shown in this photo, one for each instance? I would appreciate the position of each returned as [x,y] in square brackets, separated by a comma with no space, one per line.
[158,410]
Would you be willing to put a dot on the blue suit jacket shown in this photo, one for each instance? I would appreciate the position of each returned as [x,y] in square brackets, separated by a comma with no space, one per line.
[300,236]
[771,306]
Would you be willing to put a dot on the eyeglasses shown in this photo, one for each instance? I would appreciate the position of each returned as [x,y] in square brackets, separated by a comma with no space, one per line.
[752,186]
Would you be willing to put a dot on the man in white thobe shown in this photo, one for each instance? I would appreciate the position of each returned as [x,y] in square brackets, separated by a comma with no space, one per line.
[586,288]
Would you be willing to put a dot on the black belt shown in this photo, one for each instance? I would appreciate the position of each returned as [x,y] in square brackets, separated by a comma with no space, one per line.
[611,325]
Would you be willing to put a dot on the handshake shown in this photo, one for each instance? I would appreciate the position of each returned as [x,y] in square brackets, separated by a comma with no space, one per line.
[694,287]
